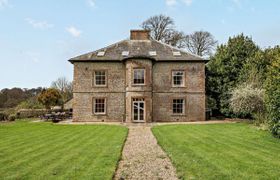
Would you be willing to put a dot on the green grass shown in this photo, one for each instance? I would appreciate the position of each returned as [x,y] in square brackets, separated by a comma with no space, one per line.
[220,151]
[48,151]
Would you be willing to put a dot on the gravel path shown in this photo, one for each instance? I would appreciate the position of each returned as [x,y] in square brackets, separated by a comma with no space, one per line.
[143,158]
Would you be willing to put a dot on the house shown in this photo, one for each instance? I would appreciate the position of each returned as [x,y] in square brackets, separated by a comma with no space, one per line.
[138,80]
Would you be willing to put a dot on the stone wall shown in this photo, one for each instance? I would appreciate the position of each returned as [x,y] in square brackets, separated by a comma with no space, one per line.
[193,92]
[85,91]
[83,107]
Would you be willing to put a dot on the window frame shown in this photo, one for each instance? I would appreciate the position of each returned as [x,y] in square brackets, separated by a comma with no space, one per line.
[94,78]
[105,106]
[138,84]
[183,107]
[183,78]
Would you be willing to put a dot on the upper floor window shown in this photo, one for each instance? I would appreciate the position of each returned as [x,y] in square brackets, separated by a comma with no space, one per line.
[178,106]
[139,76]
[99,106]
[100,78]
[178,78]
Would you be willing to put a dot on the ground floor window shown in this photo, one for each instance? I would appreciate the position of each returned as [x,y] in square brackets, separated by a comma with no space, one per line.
[99,106]
[178,106]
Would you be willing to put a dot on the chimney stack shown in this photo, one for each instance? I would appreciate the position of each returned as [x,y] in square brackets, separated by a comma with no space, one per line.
[139,35]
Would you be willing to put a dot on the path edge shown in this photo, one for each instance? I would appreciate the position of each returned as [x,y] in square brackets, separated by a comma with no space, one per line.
[176,171]
[121,156]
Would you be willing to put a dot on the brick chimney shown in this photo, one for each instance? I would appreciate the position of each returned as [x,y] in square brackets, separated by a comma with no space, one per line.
[139,35]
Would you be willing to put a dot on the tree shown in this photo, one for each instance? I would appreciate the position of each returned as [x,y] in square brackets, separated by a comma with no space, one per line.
[201,43]
[64,87]
[225,67]
[10,98]
[272,87]
[162,29]
[50,97]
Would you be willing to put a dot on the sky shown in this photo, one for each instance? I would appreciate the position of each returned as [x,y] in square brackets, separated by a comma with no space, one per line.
[37,37]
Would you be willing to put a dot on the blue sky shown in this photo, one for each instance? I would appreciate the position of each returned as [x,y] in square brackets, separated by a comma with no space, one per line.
[37,37]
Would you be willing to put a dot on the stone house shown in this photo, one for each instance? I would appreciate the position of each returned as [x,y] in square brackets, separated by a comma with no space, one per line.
[138,80]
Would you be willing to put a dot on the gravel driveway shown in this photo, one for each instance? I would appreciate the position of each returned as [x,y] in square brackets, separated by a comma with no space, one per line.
[143,158]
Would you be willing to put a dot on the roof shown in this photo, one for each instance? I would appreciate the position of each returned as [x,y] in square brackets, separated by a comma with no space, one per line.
[138,49]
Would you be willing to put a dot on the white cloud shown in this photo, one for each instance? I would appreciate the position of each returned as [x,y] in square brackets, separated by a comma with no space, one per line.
[91,3]
[4,3]
[174,2]
[39,24]
[74,31]
[170,2]
[187,2]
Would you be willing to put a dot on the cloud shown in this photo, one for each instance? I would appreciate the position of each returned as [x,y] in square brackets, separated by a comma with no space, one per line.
[4,3]
[174,2]
[38,24]
[170,2]
[91,3]
[74,31]
[187,2]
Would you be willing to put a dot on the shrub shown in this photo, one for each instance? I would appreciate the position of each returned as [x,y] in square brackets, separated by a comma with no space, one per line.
[3,116]
[12,117]
[249,100]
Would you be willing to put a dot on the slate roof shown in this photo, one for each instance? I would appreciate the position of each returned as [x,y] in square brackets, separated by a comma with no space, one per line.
[138,49]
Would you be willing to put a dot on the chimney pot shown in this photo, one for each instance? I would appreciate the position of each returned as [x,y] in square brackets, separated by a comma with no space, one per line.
[139,35]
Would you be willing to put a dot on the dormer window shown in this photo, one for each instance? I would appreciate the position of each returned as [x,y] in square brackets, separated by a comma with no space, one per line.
[176,53]
[100,53]
[125,53]
[152,53]
[139,76]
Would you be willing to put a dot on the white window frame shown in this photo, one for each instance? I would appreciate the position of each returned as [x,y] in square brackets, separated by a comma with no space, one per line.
[183,108]
[133,77]
[94,106]
[94,76]
[183,78]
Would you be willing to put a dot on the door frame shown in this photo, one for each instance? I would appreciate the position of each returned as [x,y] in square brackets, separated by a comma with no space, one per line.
[138,100]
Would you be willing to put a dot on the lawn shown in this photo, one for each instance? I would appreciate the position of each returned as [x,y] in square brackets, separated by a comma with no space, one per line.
[220,151]
[48,151]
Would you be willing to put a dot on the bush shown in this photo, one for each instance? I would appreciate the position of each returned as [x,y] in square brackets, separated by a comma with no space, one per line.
[3,116]
[249,100]
[12,117]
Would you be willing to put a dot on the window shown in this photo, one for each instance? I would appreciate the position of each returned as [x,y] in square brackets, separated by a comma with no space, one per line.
[178,78]
[99,106]
[138,76]
[178,106]
[100,78]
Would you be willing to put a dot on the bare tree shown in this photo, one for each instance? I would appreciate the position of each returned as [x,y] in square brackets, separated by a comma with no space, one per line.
[162,29]
[201,43]
[65,88]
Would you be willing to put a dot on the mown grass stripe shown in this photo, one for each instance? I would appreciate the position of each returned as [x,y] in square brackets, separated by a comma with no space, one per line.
[50,150]
[224,151]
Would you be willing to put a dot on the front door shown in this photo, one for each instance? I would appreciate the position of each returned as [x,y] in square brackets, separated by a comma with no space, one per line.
[138,110]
